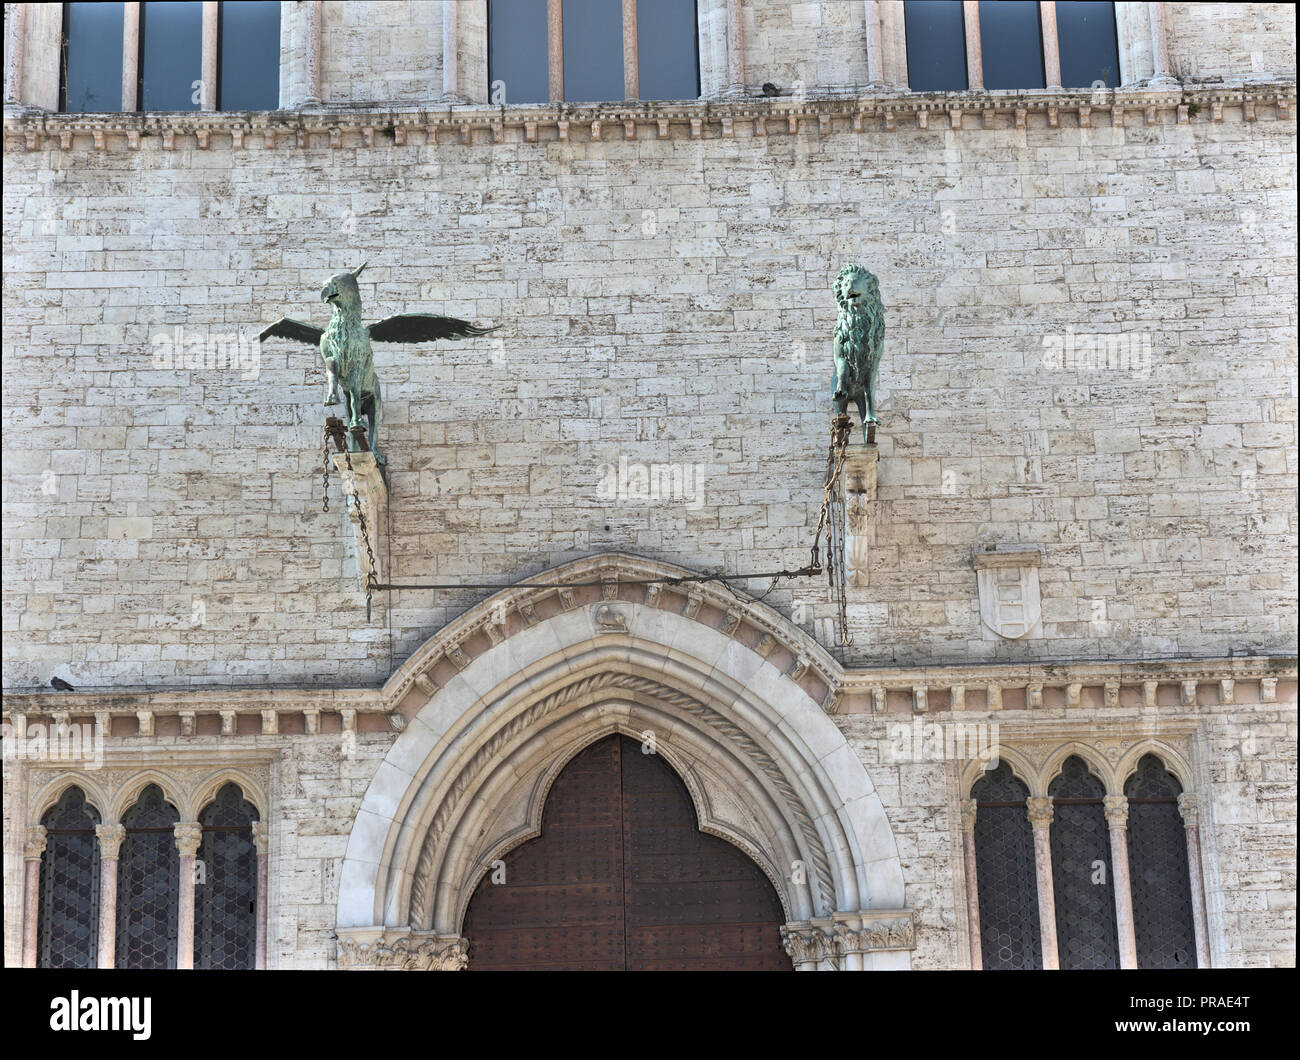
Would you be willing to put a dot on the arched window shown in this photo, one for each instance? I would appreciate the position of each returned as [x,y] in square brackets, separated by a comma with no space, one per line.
[1004,871]
[1086,930]
[68,914]
[148,884]
[1157,853]
[225,888]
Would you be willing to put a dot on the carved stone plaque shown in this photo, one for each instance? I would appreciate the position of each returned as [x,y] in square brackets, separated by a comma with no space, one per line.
[1010,599]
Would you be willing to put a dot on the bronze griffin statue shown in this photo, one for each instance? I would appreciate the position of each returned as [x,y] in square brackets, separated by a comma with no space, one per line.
[345,347]
[859,343]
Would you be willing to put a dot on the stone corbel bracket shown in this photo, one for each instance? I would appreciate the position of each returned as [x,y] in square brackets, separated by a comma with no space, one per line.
[389,949]
[369,485]
[858,481]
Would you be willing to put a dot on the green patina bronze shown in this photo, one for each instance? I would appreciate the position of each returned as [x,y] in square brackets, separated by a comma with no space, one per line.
[859,343]
[345,347]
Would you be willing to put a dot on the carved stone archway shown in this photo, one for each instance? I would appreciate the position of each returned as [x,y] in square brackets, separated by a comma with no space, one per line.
[505,696]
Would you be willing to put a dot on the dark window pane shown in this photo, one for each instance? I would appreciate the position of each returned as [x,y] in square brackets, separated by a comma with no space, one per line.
[1011,39]
[1089,51]
[1161,881]
[1086,932]
[517,52]
[593,50]
[250,56]
[171,55]
[667,46]
[936,45]
[1005,874]
[67,919]
[225,895]
[148,884]
[92,57]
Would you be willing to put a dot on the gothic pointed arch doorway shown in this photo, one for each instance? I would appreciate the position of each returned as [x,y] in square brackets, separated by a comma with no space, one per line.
[622,878]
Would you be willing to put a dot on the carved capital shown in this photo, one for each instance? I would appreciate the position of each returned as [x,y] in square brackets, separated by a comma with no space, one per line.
[396,950]
[1116,809]
[35,844]
[969,808]
[261,837]
[807,944]
[1189,808]
[110,838]
[1040,810]
[189,834]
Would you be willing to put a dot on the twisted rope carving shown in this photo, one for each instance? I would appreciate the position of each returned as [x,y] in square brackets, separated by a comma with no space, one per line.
[421,882]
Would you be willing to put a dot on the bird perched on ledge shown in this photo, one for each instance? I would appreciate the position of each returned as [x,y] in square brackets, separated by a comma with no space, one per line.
[345,347]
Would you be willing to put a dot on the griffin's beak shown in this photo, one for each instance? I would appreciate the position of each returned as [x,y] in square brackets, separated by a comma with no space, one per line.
[325,296]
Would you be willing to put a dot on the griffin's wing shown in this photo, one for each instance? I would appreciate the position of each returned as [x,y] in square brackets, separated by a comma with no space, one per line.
[288,328]
[421,327]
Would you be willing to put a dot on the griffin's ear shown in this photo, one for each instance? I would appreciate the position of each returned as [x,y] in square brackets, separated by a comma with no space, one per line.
[357,271]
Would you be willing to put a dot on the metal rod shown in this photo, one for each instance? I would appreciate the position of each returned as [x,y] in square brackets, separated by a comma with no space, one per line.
[802,572]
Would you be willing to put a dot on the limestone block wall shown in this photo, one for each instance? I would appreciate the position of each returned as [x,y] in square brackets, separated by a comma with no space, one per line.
[1231,40]
[383,51]
[1090,348]
[804,45]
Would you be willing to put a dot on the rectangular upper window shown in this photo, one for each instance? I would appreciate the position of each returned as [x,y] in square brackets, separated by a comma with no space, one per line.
[249,56]
[1011,38]
[593,58]
[168,47]
[668,49]
[1089,47]
[171,55]
[517,51]
[936,45]
[91,73]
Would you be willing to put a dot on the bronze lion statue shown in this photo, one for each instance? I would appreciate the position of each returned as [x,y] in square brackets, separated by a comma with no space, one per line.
[859,342]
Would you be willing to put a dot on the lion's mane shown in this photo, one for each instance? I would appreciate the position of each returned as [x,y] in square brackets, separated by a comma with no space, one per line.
[860,329]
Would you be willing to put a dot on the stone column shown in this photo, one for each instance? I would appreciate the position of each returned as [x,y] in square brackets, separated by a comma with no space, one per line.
[311,66]
[1040,819]
[974,55]
[555,49]
[1161,78]
[1116,808]
[1051,45]
[631,65]
[130,55]
[261,843]
[875,46]
[110,838]
[32,851]
[1187,807]
[208,84]
[15,53]
[968,811]
[735,49]
[188,837]
[450,47]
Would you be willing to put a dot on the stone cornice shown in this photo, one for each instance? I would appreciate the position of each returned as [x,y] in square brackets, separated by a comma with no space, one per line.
[335,127]
[919,682]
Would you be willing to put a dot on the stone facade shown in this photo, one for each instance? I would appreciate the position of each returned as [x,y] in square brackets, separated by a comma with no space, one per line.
[1090,351]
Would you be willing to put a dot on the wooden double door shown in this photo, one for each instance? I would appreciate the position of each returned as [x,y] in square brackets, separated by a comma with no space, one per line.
[621,878]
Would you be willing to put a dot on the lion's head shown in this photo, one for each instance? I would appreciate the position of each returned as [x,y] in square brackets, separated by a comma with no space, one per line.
[860,329]
[856,288]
